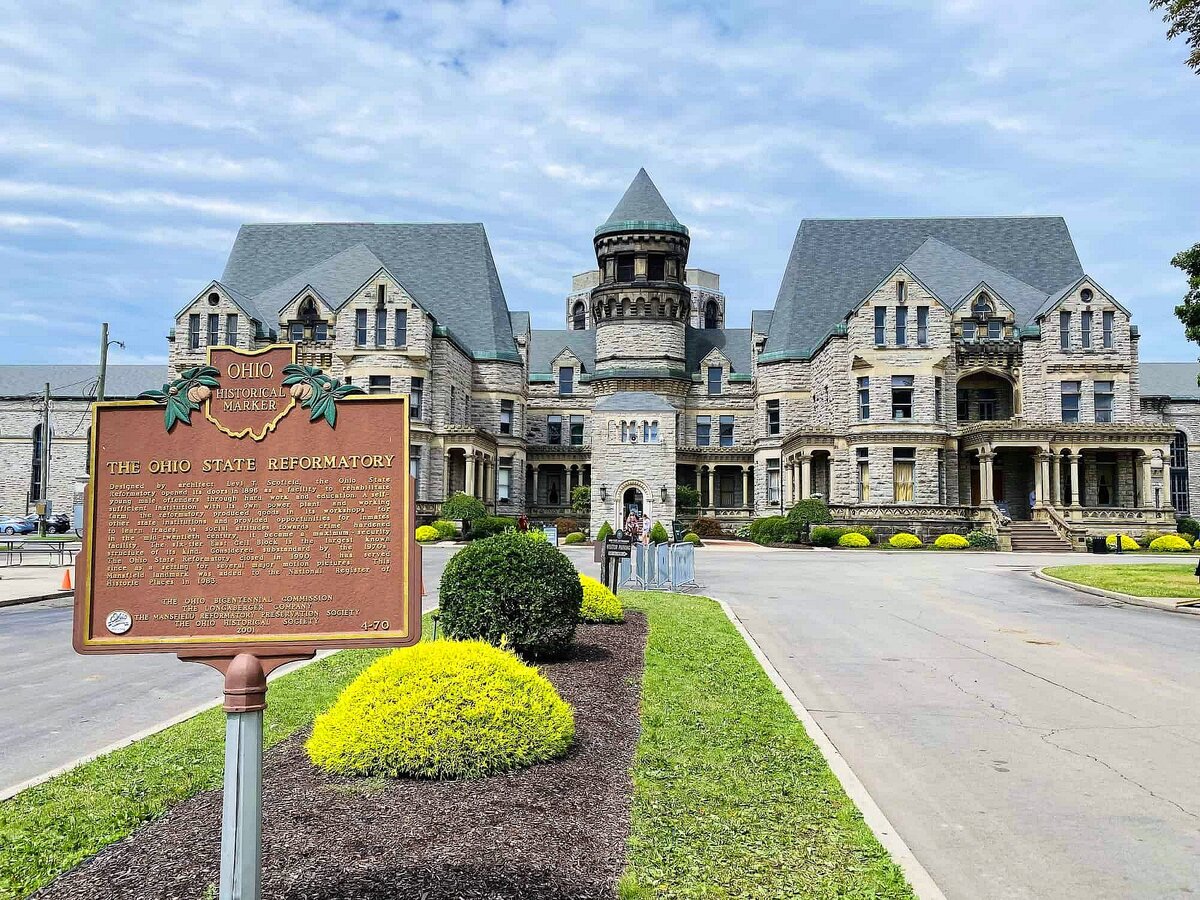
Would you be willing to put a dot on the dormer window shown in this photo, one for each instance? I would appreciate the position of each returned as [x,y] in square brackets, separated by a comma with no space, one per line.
[982,308]
[308,325]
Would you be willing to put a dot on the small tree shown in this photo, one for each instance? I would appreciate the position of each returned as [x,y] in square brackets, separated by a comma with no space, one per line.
[1189,310]
[1183,20]
[810,512]
[686,496]
[464,508]
[658,533]
[581,500]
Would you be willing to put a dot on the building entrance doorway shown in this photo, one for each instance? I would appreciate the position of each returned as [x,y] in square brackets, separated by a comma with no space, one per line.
[632,502]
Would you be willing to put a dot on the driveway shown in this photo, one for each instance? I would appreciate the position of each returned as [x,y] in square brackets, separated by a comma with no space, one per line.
[1026,740]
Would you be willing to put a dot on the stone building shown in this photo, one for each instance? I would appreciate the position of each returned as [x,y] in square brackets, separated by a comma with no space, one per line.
[935,374]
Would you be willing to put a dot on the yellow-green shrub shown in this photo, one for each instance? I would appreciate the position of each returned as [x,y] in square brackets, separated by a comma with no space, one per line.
[905,541]
[1170,543]
[951,542]
[1127,543]
[1196,546]
[575,537]
[692,538]
[427,533]
[599,603]
[447,530]
[854,539]
[442,709]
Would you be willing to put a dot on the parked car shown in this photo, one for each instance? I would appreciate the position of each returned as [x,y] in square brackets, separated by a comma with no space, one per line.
[60,523]
[15,525]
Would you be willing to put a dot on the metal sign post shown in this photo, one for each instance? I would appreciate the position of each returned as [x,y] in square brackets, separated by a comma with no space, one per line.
[615,549]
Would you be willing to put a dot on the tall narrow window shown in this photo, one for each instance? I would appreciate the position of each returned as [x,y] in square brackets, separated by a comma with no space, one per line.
[414,467]
[656,267]
[1103,399]
[923,325]
[381,294]
[901,292]
[937,398]
[381,318]
[714,380]
[772,417]
[553,429]
[904,464]
[968,331]
[380,384]
[1085,329]
[711,314]
[579,316]
[625,267]
[1070,401]
[1179,474]
[506,416]
[231,325]
[901,325]
[504,479]
[295,332]
[400,337]
[902,396]
[416,393]
[773,481]
[864,398]
[987,404]
[566,381]
[995,329]
[1106,320]
[320,331]
[703,431]
[360,328]
[654,431]
[941,475]
[1064,331]
[576,431]
[880,326]
[726,431]
[194,331]
[963,411]
[214,329]
[864,474]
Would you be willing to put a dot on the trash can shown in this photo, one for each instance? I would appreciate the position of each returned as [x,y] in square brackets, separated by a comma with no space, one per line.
[1099,544]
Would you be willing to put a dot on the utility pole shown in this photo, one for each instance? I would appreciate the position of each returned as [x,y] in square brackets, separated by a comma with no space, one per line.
[103,361]
[44,462]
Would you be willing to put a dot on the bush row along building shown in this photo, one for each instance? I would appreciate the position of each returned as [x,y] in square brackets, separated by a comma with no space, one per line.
[935,374]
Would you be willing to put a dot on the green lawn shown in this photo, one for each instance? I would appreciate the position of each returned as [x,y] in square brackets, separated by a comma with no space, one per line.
[1144,580]
[731,797]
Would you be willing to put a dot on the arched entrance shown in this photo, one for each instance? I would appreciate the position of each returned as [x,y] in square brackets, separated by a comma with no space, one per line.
[632,501]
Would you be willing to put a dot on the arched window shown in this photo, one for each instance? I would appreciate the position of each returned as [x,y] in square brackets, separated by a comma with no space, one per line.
[35,471]
[711,314]
[308,324]
[1179,473]
[579,316]
[982,307]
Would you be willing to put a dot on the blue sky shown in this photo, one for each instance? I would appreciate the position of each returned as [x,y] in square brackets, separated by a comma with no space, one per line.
[136,137]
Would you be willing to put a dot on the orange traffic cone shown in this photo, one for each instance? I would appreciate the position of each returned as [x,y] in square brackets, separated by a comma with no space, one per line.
[66,582]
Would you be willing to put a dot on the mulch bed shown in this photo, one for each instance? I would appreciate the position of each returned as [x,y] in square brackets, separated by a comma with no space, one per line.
[556,830]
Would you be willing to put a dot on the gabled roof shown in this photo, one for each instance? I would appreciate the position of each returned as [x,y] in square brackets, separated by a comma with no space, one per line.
[448,269]
[834,263]
[641,203]
[1177,380]
[244,303]
[334,279]
[546,344]
[733,342]
[1054,299]
[955,277]
[77,382]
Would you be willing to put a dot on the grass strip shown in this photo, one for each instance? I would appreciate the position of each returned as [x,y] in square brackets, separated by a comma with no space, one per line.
[731,797]
[1138,580]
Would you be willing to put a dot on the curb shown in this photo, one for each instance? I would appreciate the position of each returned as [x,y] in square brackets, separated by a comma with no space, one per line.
[1167,604]
[918,876]
[20,601]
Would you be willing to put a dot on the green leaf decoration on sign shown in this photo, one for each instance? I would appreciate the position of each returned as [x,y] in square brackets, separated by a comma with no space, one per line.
[184,395]
[323,392]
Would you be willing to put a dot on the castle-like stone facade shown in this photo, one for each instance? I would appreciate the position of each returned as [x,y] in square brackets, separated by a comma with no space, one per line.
[936,374]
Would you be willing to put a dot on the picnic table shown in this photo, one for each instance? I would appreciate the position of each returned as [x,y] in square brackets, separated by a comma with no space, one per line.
[59,553]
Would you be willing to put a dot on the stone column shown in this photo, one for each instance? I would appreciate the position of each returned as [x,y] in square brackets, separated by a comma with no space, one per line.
[1042,478]
[533,494]
[449,482]
[985,477]
[1055,486]
[1147,481]
[712,486]
[1075,457]
[805,476]
[747,500]
[469,461]
[788,471]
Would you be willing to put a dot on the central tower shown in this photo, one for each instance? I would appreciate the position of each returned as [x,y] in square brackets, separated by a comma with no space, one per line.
[640,307]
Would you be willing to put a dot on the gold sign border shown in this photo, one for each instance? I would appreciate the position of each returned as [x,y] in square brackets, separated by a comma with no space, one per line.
[169,644]
[270,426]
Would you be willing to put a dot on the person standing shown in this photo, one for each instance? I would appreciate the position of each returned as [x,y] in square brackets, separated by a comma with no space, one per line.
[646,530]
[631,525]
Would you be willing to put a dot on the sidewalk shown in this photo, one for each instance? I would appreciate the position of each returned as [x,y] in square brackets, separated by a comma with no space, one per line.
[25,584]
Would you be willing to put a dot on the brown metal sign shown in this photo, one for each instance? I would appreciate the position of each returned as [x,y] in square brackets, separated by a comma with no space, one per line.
[252,505]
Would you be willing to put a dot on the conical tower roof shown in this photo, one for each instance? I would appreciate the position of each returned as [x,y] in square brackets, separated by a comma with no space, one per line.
[641,204]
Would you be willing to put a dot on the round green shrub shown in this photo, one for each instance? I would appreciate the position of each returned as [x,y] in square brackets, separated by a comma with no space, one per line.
[487,526]
[706,526]
[599,603]
[981,540]
[442,709]
[463,508]
[813,511]
[853,539]
[575,537]
[1127,543]
[692,538]
[1147,538]
[825,535]
[905,541]
[1170,543]
[773,530]
[427,533]
[509,588]
[447,530]
[658,533]
[865,530]
[605,531]
[951,542]
[1196,546]
[1188,525]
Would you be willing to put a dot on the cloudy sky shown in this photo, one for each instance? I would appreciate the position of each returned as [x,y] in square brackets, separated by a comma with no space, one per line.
[136,137]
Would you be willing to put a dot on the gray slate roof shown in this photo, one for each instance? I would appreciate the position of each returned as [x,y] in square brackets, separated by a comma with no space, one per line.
[760,320]
[835,263]
[1177,380]
[335,279]
[633,401]
[953,276]
[546,344]
[519,321]
[733,342]
[448,268]
[641,203]
[75,382]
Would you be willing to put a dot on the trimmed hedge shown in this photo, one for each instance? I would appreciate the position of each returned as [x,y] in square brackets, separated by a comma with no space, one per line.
[773,530]
[490,525]
[826,535]
[442,709]
[981,540]
[463,508]
[575,537]
[1170,543]
[605,531]
[865,530]
[508,588]
[1147,538]
[446,529]
[813,511]
[905,541]
[1127,543]
[427,533]
[658,533]
[1188,525]
[599,603]
[951,542]
[692,538]
[853,539]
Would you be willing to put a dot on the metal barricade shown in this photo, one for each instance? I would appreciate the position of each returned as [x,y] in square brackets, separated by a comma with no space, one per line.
[683,565]
[659,567]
